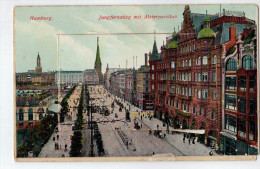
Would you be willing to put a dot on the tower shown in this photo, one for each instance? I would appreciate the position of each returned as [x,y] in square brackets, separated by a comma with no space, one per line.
[98,64]
[38,68]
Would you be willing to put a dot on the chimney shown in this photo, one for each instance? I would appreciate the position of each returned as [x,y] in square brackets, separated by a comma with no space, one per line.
[145,59]
[232,33]
[232,37]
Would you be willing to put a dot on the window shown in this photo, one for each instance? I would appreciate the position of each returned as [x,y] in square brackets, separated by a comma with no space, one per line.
[231,83]
[190,62]
[40,116]
[205,76]
[30,113]
[196,77]
[251,83]
[201,111]
[199,94]
[152,76]
[242,105]
[241,128]
[215,94]
[183,63]
[152,67]
[177,104]
[190,92]
[172,64]
[251,130]
[230,123]
[205,60]
[184,108]
[214,59]
[194,110]
[242,83]
[199,77]
[183,91]
[212,115]
[21,115]
[231,65]
[195,91]
[198,61]
[186,63]
[252,103]
[172,89]
[247,62]
[214,76]
[230,102]
[153,87]
[204,93]
[178,90]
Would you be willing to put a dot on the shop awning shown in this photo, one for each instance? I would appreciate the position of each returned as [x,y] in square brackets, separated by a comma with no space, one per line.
[201,131]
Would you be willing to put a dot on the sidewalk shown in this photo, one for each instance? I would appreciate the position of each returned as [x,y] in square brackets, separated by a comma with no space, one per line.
[176,140]
[64,132]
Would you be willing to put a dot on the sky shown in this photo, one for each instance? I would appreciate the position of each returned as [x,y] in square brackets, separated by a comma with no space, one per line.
[78,52]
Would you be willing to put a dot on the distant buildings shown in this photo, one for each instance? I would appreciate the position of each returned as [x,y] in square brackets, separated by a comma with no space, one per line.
[107,75]
[144,99]
[35,77]
[68,77]
[91,77]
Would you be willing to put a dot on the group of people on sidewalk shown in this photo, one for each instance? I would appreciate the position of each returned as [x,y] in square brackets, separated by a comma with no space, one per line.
[189,137]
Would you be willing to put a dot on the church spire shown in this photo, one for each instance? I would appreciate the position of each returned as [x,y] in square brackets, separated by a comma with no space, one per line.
[98,60]
[98,64]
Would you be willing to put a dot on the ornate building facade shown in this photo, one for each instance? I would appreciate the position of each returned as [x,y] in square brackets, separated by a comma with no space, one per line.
[186,76]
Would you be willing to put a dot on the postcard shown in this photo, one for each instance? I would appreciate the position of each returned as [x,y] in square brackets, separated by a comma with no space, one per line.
[144,82]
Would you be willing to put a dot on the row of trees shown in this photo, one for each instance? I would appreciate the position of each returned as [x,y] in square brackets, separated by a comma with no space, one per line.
[76,143]
[35,138]
[65,105]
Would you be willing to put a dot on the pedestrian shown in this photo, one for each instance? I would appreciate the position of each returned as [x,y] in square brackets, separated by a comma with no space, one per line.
[65,147]
[193,140]
[157,126]
[183,139]
[164,135]
[189,141]
[58,137]
[153,152]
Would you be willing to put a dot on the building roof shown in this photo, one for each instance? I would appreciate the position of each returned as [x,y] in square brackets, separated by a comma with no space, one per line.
[173,44]
[55,108]
[198,19]
[206,33]
[69,71]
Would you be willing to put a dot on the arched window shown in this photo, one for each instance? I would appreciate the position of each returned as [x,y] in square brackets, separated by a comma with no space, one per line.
[247,62]
[205,60]
[231,65]
[30,114]
[21,112]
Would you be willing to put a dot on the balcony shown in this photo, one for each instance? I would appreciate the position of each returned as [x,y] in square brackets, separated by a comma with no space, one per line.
[186,114]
